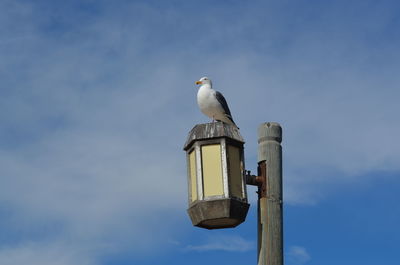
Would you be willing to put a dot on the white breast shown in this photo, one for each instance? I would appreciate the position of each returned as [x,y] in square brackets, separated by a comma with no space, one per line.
[208,103]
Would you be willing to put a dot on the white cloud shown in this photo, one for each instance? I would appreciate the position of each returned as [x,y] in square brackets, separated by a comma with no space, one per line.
[297,255]
[100,158]
[223,243]
[44,254]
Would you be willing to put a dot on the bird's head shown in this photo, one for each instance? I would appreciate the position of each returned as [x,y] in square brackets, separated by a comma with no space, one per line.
[204,81]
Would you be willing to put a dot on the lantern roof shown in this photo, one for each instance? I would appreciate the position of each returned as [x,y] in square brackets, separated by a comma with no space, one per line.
[212,130]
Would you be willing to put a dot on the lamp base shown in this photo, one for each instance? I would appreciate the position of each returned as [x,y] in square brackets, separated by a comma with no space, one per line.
[220,213]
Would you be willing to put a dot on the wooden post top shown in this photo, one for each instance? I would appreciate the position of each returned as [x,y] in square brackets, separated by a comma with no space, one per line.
[270,131]
[212,130]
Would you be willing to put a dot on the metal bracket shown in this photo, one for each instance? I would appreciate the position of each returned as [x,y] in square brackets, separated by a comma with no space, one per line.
[260,181]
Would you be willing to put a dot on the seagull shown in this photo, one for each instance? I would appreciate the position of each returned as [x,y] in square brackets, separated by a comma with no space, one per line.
[212,103]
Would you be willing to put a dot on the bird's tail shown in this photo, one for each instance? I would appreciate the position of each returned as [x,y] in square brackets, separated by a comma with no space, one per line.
[229,120]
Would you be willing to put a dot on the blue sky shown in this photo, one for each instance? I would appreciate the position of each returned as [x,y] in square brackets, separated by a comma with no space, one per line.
[97,98]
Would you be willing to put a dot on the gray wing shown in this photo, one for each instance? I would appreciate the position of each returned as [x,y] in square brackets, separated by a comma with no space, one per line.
[224,105]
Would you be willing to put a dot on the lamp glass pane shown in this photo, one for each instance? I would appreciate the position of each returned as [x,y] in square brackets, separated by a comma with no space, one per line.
[193,178]
[235,172]
[212,170]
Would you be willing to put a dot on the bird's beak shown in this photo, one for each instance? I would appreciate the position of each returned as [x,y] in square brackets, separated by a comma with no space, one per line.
[199,82]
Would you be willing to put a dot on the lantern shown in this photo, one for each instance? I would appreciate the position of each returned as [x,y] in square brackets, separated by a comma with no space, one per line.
[216,176]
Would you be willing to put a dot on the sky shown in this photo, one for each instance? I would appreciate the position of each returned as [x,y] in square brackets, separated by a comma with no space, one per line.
[97,99]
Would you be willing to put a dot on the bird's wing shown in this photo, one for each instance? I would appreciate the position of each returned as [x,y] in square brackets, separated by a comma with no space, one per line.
[224,105]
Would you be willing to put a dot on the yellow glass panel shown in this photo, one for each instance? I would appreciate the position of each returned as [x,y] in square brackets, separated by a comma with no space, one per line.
[235,172]
[193,178]
[212,170]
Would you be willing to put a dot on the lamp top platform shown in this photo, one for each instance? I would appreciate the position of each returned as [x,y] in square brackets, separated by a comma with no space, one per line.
[212,130]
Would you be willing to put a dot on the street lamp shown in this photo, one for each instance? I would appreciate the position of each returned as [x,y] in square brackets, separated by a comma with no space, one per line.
[217,183]
[216,176]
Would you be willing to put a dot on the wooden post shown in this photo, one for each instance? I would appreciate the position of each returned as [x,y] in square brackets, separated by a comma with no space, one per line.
[270,221]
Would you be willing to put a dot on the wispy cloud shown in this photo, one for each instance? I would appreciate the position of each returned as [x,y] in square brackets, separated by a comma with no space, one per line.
[223,243]
[55,253]
[297,255]
[79,156]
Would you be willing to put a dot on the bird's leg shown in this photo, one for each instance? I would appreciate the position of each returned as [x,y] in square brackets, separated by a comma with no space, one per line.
[213,119]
